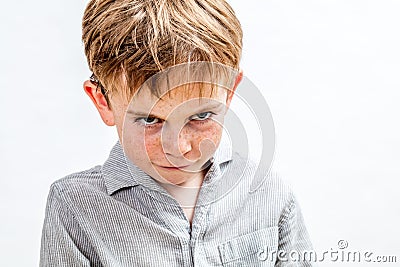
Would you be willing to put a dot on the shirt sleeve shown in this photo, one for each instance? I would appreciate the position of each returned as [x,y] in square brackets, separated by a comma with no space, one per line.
[59,242]
[294,247]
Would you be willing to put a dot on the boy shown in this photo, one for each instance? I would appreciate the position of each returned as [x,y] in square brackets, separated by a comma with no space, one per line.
[171,193]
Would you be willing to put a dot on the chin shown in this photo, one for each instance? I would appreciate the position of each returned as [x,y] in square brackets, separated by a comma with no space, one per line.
[173,180]
[174,177]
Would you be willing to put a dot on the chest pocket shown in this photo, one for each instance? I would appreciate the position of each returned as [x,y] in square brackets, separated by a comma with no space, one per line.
[258,248]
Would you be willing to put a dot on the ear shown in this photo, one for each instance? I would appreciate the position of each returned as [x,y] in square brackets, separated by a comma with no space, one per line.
[100,102]
[231,92]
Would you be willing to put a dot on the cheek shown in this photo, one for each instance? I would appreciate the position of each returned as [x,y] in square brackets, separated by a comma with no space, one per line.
[152,145]
[205,139]
[140,145]
[208,138]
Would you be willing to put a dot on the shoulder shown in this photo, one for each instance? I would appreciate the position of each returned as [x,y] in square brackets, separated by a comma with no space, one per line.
[80,183]
[273,183]
[262,178]
[264,183]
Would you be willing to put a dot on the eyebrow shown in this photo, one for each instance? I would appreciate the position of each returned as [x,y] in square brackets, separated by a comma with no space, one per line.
[151,115]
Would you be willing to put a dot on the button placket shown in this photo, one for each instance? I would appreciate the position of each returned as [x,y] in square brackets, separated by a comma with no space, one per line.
[199,227]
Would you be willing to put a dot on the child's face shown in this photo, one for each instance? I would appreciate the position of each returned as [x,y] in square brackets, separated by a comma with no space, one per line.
[171,138]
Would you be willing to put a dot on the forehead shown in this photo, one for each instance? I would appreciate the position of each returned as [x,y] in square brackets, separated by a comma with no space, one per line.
[189,96]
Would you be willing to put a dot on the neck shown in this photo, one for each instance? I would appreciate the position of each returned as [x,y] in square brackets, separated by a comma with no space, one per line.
[186,193]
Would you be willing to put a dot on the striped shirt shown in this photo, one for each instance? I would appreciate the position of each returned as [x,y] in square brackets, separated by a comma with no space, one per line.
[116,215]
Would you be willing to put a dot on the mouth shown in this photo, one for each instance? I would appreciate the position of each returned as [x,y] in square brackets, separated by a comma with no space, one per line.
[171,168]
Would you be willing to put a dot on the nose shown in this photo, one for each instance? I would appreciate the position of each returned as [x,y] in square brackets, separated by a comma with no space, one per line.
[176,142]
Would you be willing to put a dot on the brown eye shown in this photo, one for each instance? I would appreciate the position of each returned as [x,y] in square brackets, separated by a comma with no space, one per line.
[148,120]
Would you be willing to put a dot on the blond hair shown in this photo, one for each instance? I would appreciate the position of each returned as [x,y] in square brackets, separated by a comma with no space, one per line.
[128,41]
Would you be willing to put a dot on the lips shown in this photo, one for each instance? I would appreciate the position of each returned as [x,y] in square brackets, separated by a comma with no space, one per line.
[173,167]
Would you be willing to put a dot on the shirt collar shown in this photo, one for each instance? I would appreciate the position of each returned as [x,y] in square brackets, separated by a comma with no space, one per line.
[116,171]
[120,173]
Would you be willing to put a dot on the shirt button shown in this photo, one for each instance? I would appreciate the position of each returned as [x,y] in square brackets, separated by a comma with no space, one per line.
[262,254]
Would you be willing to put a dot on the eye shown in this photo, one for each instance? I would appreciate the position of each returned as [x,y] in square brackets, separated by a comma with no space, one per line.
[148,121]
[201,116]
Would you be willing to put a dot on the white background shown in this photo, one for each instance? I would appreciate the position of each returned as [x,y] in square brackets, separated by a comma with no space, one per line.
[328,69]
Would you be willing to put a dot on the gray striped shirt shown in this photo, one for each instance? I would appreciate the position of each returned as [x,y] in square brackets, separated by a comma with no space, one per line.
[116,215]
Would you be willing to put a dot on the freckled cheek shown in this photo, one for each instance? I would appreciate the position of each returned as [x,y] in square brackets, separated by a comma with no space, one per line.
[153,146]
[205,139]
[208,138]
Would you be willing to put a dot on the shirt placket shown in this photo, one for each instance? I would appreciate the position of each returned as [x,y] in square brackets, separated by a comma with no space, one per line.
[201,219]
